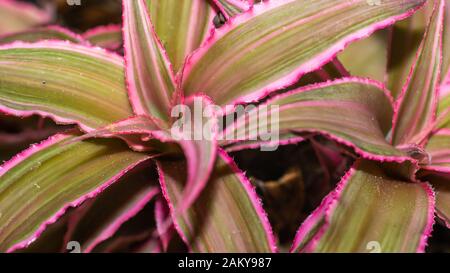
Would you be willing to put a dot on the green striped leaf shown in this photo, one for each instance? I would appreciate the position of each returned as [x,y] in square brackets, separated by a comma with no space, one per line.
[352,111]
[269,47]
[369,211]
[149,73]
[443,115]
[417,105]
[70,83]
[181,25]
[42,33]
[228,212]
[40,184]
[405,40]
[446,46]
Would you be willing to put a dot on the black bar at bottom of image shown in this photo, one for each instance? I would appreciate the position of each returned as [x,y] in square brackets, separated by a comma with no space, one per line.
[223,262]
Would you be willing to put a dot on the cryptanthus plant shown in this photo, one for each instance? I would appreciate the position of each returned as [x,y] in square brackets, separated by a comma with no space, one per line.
[175,55]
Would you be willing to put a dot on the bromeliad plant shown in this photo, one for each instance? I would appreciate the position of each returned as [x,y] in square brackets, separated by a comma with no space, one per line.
[174,55]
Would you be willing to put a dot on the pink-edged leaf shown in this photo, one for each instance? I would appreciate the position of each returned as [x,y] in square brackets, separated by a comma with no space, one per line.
[112,208]
[370,209]
[404,41]
[40,184]
[438,149]
[284,139]
[191,133]
[446,46]
[231,8]
[331,71]
[151,82]
[109,37]
[228,213]
[441,184]
[51,240]
[199,144]
[42,33]
[417,104]
[181,26]
[272,45]
[312,225]
[19,16]
[67,82]
[355,112]
[162,214]
[141,133]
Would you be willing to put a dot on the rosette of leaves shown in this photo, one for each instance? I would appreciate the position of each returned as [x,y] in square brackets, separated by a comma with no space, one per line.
[173,55]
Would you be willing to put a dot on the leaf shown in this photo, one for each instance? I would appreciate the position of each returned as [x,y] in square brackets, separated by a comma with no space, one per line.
[441,184]
[443,115]
[355,112]
[19,16]
[228,216]
[141,133]
[231,8]
[417,104]
[438,148]
[42,33]
[149,73]
[70,83]
[446,46]
[284,139]
[40,184]
[109,37]
[199,150]
[181,26]
[405,38]
[162,214]
[113,207]
[332,70]
[367,57]
[370,208]
[276,42]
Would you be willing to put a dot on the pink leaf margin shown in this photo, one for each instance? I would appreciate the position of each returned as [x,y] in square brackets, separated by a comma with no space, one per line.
[41,146]
[436,91]
[162,212]
[325,209]
[256,201]
[118,222]
[252,146]
[310,66]
[101,29]
[190,151]
[75,36]
[362,153]
[430,218]
[131,86]
[330,202]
